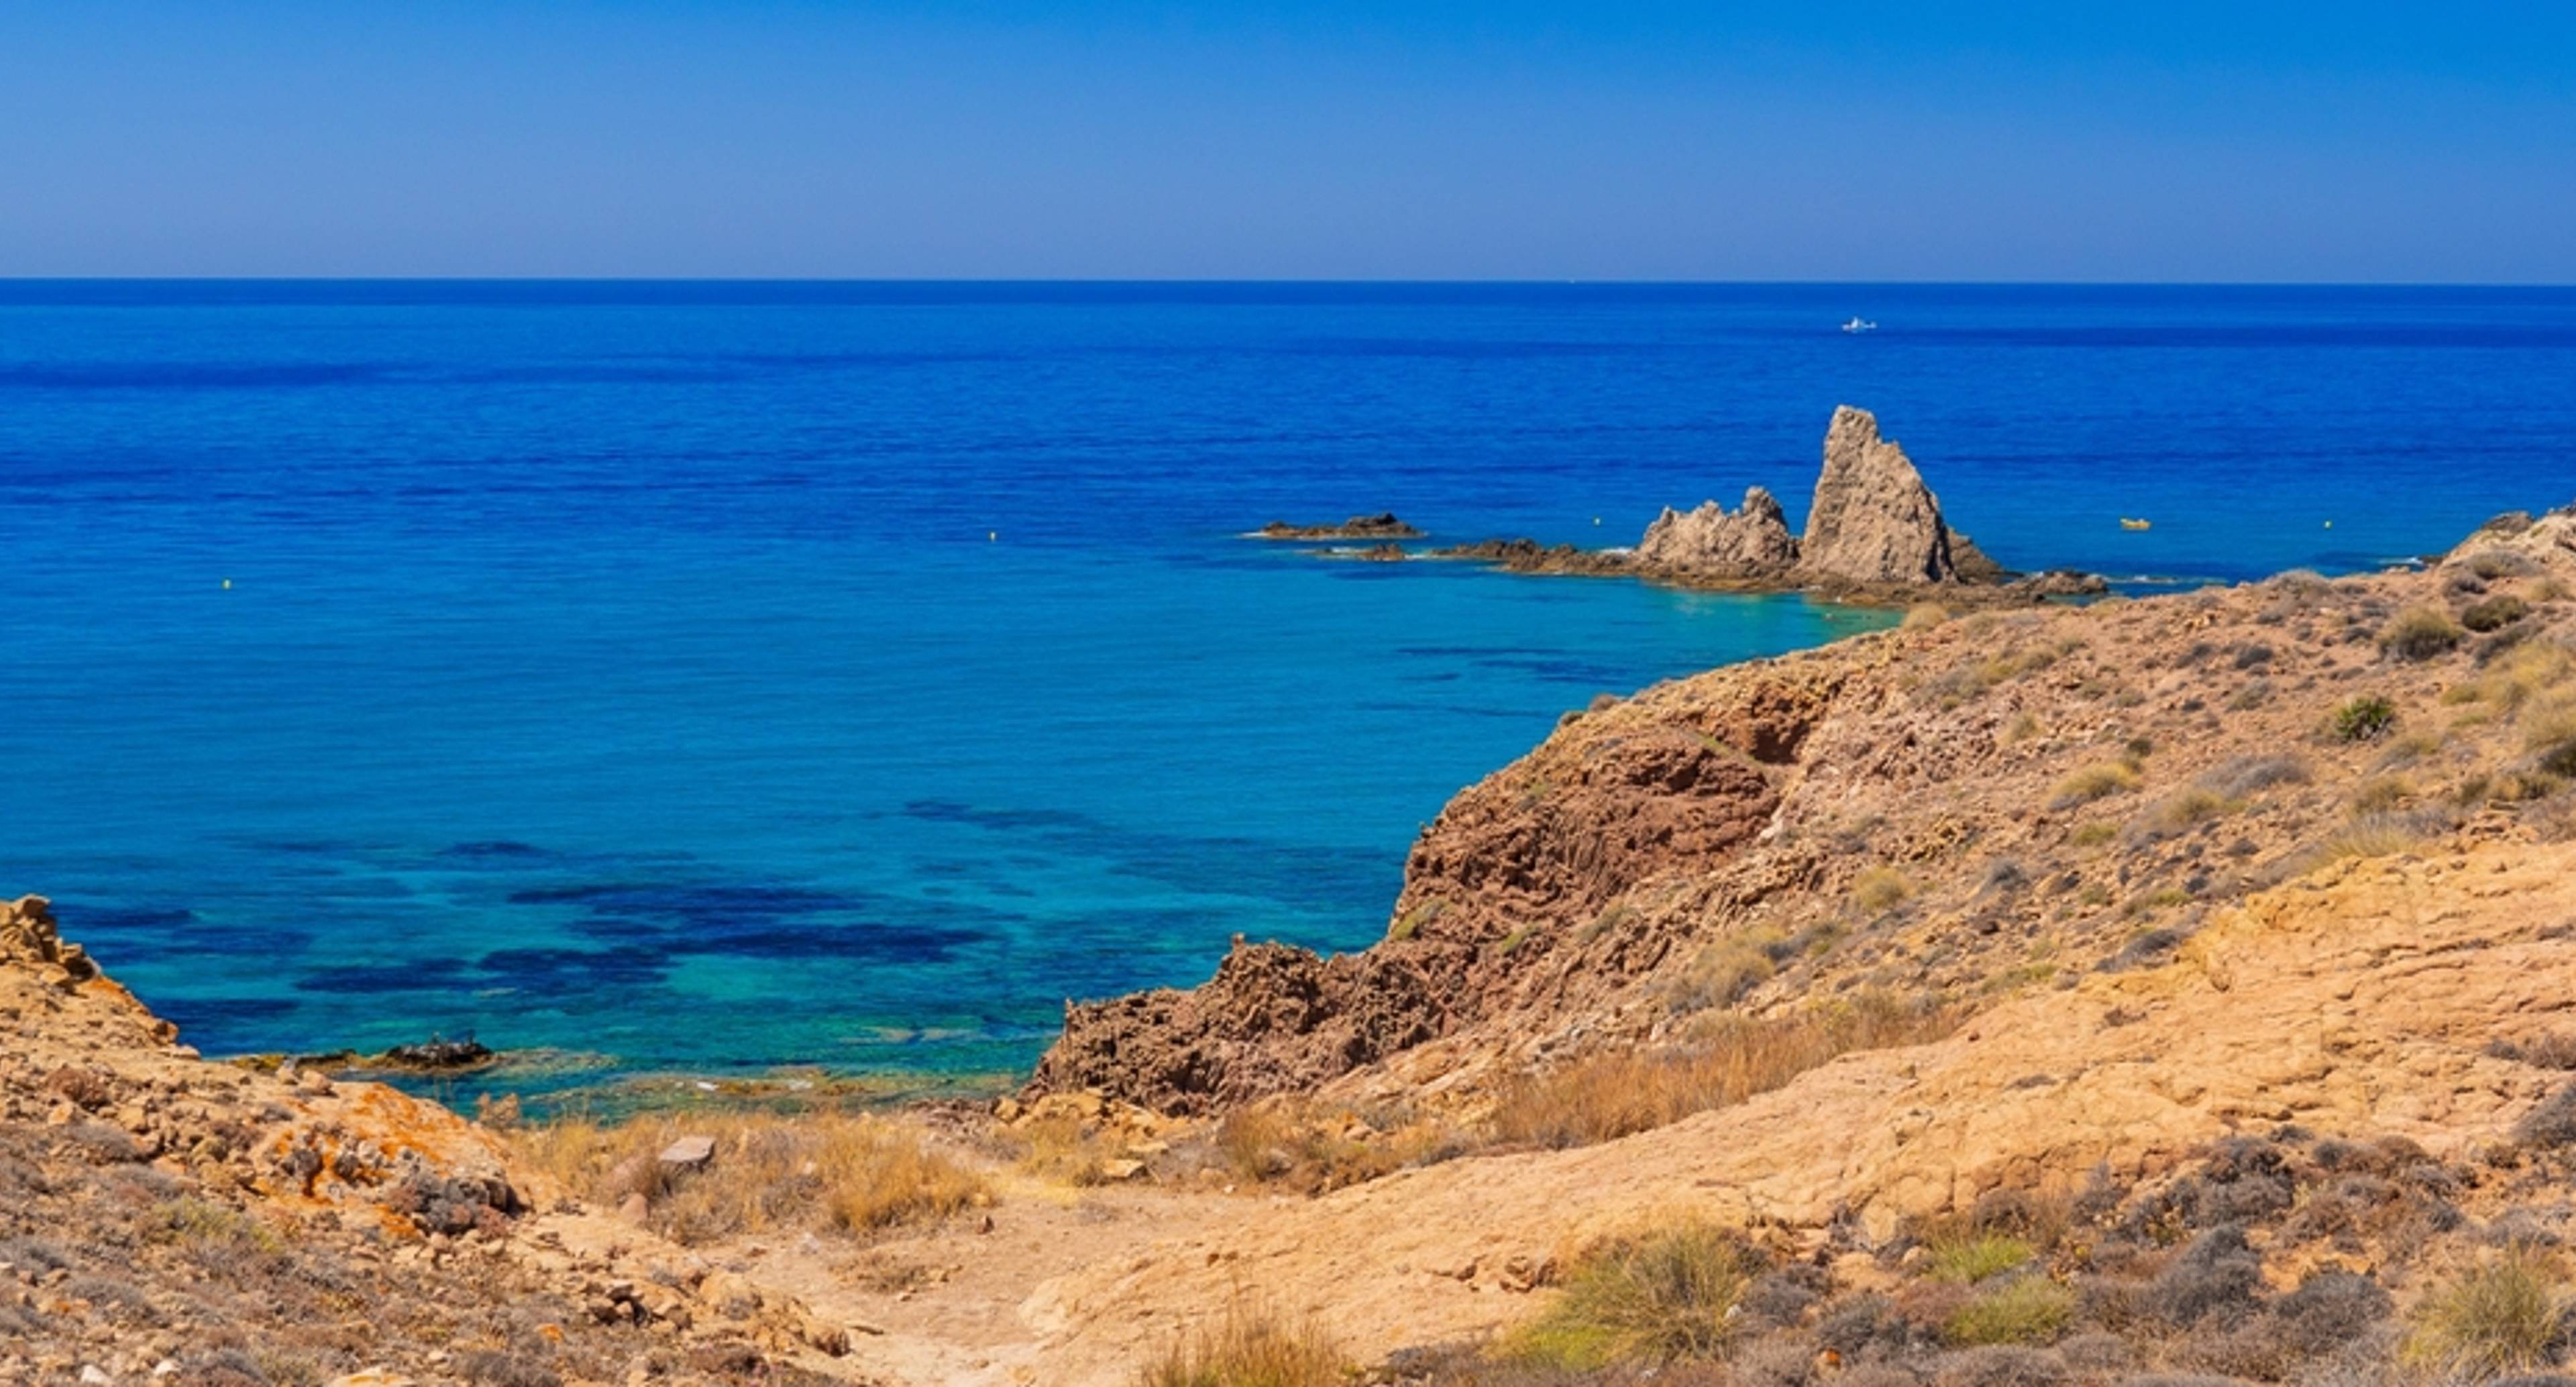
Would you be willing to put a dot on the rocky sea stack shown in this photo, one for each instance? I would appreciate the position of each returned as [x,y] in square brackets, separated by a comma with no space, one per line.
[1873,523]
[1875,533]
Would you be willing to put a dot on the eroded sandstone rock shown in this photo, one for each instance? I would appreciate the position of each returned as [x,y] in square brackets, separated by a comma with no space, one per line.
[1752,541]
[1873,520]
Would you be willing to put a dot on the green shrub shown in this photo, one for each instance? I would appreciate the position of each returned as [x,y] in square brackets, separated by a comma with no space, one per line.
[2362,718]
[2025,1310]
[1664,1297]
[2094,835]
[2497,1318]
[1972,1259]
[2420,633]
[2094,782]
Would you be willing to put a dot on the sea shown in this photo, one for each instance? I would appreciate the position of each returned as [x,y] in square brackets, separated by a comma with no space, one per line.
[822,683]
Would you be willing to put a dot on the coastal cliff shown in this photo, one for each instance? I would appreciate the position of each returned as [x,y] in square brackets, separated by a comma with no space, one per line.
[1917,809]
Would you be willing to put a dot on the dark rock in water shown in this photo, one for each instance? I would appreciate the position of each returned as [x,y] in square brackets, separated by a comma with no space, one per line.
[1751,542]
[1530,556]
[1383,525]
[439,1054]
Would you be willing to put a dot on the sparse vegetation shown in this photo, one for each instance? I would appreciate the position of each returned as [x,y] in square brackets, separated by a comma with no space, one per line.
[1611,1094]
[2498,1317]
[2380,795]
[1923,616]
[2094,782]
[2420,633]
[816,1169]
[1665,1297]
[1252,1346]
[2495,613]
[2362,718]
[2025,1310]
[1877,890]
[2094,835]
[1974,1257]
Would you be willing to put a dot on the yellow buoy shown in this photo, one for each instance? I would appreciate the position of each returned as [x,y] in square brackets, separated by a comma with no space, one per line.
[228,585]
[2128,524]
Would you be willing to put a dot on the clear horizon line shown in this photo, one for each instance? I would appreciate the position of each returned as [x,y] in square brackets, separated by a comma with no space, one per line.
[1316,281]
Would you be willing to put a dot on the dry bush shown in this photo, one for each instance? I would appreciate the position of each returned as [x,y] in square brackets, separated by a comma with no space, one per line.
[1315,1150]
[1878,890]
[2380,795]
[2420,633]
[2495,613]
[1923,616]
[2497,1317]
[1726,972]
[2098,781]
[2186,809]
[840,1170]
[1253,1346]
[1611,1094]
[1664,1297]
[2516,678]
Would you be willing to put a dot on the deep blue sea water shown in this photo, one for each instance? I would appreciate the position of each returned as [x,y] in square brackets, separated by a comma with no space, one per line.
[715,677]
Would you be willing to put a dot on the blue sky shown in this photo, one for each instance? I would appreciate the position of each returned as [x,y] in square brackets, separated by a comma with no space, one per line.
[1837,139]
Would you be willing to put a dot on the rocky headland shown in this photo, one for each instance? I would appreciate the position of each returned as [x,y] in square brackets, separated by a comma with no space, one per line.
[2163,991]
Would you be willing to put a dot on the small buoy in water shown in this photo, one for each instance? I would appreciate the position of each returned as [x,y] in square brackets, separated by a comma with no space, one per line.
[2128,524]
[1596,520]
[992,536]
[228,583]
[2329,524]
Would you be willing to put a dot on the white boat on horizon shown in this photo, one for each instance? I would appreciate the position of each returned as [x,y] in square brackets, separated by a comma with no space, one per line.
[1860,325]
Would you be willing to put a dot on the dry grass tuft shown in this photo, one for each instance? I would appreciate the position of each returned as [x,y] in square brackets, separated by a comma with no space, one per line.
[1253,1346]
[2099,781]
[1878,890]
[1664,1297]
[1923,616]
[2499,1317]
[1612,1094]
[824,1169]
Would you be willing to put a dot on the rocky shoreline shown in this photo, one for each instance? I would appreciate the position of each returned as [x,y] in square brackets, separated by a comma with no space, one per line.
[1875,536]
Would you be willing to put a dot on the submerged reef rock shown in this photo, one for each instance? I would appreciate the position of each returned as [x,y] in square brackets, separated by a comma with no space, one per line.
[1382,525]
[1751,542]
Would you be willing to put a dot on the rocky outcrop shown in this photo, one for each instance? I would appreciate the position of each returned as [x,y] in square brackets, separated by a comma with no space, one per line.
[1383,525]
[168,1218]
[1873,520]
[1750,542]
[1705,843]
[1875,534]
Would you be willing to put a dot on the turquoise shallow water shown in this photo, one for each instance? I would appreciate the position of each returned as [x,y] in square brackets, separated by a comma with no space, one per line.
[630,670]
